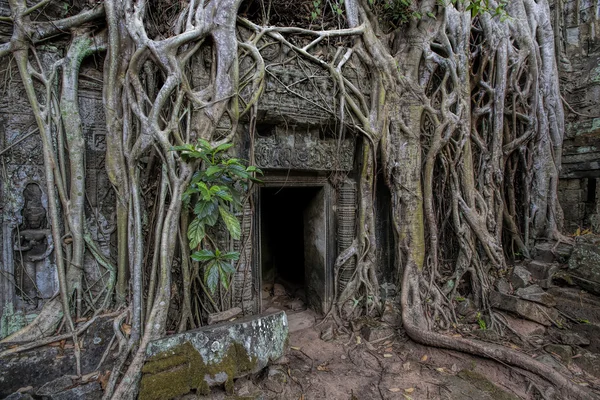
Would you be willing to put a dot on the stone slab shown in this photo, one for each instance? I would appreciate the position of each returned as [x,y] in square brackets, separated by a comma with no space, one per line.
[38,366]
[536,294]
[213,355]
[526,309]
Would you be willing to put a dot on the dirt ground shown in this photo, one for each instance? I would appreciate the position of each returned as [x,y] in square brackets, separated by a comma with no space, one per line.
[348,367]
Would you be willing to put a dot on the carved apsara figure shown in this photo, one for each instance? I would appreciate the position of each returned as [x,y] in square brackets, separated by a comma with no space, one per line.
[33,242]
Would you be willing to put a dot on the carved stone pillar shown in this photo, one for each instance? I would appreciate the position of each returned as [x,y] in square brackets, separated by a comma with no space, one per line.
[346,221]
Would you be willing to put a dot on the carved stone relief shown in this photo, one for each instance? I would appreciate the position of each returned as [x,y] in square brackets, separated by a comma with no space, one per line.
[303,151]
[35,278]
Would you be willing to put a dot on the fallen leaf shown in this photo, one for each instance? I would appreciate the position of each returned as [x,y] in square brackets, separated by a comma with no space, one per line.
[440,370]
[387,355]
[394,390]
[409,390]
[126,329]
[457,335]
[103,379]
[358,340]
[295,348]
[424,358]
[322,367]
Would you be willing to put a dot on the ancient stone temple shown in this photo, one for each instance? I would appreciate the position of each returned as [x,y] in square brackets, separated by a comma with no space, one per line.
[304,211]
[579,45]
[27,271]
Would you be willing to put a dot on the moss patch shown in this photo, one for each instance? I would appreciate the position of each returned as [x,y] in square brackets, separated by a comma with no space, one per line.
[182,369]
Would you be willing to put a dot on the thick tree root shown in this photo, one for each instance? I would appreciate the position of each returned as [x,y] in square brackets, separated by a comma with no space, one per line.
[568,389]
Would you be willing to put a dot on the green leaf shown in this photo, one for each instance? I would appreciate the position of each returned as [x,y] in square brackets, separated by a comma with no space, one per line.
[203,255]
[211,276]
[203,189]
[211,219]
[196,233]
[204,144]
[224,194]
[223,147]
[232,223]
[252,168]
[204,208]
[232,255]
[213,170]
[224,278]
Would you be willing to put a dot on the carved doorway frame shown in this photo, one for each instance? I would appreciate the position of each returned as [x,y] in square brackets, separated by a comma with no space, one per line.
[273,179]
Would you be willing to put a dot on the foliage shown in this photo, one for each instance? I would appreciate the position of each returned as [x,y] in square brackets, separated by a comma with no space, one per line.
[214,192]
[399,12]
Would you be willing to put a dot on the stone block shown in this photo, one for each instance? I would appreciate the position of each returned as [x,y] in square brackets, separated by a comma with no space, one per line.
[540,270]
[376,332]
[526,309]
[38,366]
[520,277]
[213,355]
[524,327]
[584,263]
[537,295]
[564,352]
[550,252]
[224,316]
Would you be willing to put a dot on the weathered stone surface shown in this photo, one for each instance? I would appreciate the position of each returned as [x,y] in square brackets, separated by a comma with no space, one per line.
[569,337]
[90,391]
[551,252]
[564,352]
[589,362]
[279,290]
[44,364]
[214,355]
[542,272]
[296,305]
[526,309]
[502,286]
[520,277]
[524,327]
[224,316]
[536,294]
[19,396]
[55,386]
[373,332]
[584,263]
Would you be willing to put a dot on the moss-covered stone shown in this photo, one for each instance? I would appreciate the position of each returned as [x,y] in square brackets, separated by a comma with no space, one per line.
[215,355]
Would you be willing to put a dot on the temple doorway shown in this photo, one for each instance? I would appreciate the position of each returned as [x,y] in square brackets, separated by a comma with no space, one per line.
[293,235]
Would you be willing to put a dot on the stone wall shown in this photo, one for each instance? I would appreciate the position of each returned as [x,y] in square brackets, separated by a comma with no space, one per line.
[577,33]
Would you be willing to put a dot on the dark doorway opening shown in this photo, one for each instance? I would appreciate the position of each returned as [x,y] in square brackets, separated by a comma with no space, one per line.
[291,236]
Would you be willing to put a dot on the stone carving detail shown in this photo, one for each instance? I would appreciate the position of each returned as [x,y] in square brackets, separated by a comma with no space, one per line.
[243,282]
[288,150]
[33,243]
[346,217]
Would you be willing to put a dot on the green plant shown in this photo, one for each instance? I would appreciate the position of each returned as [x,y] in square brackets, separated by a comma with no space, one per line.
[214,195]
[481,322]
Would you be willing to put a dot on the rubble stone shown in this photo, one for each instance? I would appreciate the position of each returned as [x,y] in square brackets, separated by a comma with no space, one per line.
[213,355]
[584,263]
[520,277]
[526,309]
[224,316]
[536,294]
